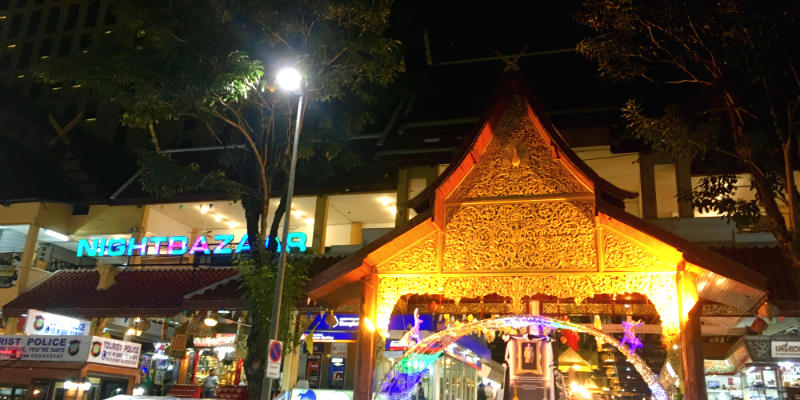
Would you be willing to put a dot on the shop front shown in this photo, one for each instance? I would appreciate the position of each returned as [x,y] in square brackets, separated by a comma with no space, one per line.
[58,367]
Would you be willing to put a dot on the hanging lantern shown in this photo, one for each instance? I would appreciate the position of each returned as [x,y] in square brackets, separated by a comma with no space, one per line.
[330,319]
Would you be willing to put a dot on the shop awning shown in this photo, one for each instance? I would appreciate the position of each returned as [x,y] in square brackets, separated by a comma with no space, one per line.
[152,292]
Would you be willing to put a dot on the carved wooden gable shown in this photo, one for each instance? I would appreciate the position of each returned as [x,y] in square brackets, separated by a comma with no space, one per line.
[519,208]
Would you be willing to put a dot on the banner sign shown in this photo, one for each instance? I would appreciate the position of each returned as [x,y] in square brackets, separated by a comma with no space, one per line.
[221,339]
[44,348]
[785,349]
[70,349]
[114,352]
[45,323]
[349,322]
[331,337]
[177,245]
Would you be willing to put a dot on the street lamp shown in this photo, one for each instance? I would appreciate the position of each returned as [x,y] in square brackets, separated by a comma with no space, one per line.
[290,80]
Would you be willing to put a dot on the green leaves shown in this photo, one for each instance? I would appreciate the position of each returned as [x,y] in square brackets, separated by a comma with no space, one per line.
[677,131]
[164,177]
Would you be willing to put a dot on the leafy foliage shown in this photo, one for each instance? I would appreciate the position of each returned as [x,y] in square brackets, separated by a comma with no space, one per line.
[729,69]
[164,177]
[260,284]
[213,61]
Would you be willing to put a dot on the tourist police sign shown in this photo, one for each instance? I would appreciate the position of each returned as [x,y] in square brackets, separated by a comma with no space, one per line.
[274,356]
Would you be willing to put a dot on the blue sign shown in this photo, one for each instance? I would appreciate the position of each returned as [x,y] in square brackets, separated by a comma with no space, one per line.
[349,322]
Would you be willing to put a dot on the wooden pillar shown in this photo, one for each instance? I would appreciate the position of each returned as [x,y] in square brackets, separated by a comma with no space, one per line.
[683,177]
[402,197]
[320,225]
[647,179]
[356,233]
[28,254]
[365,360]
[694,381]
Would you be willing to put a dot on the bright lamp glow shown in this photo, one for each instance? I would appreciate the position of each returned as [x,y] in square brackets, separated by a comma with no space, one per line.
[56,235]
[86,386]
[69,385]
[289,79]
[138,391]
[210,321]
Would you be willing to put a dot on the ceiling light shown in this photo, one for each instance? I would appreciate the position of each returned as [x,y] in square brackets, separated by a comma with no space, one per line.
[310,221]
[233,224]
[392,210]
[218,217]
[203,209]
[385,200]
[297,213]
[210,321]
[56,235]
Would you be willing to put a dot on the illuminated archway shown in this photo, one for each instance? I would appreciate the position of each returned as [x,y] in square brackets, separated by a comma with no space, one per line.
[408,371]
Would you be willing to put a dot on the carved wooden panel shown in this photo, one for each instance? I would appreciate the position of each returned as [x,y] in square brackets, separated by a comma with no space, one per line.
[517,161]
[625,254]
[548,235]
[419,258]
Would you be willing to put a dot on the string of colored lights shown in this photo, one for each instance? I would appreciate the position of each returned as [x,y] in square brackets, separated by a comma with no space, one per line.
[414,365]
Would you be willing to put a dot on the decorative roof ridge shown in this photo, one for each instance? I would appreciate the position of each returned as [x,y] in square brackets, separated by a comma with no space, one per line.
[212,286]
[514,84]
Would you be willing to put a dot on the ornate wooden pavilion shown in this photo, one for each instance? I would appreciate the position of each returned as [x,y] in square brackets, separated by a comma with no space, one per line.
[518,214]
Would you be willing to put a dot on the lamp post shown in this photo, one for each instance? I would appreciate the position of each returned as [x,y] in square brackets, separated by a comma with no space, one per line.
[289,79]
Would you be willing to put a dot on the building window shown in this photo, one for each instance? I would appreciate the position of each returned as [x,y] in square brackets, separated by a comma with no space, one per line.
[33,22]
[64,47]
[45,47]
[25,55]
[111,18]
[5,62]
[91,14]
[52,20]
[16,23]
[72,16]
[86,41]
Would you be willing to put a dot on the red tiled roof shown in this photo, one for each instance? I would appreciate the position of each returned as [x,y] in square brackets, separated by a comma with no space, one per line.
[782,282]
[143,292]
[226,294]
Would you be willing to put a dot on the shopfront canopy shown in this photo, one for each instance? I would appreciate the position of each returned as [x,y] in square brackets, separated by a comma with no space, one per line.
[156,292]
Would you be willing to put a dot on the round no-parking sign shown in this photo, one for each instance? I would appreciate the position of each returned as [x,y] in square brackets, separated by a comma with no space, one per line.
[275,351]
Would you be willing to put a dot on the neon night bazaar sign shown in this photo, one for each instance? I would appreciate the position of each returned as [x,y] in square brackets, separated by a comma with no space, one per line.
[177,245]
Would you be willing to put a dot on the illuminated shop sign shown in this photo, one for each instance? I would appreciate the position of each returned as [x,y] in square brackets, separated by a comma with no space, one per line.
[45,323]
[177,245]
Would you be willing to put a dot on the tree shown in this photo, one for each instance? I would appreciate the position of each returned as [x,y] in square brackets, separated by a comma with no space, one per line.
[730,69]
[213,61]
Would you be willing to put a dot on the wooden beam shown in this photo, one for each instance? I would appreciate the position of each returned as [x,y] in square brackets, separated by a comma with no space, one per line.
[691,343]
[365,361]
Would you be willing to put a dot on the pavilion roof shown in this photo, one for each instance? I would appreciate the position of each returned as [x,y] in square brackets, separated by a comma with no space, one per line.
[747,287]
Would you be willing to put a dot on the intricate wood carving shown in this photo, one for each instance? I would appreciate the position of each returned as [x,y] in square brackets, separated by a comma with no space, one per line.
[546,235]
[419,258]
[625,254]
[517,161]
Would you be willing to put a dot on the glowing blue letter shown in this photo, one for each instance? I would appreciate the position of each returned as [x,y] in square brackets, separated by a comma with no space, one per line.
[141,247]
[243,245]
[296,240]
[116,247]
[85,246]
[223,243]
[156,241]
[200,244]
[173,240]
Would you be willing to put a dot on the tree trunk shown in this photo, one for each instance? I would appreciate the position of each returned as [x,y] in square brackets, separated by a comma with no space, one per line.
[255,363]
[764,194]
